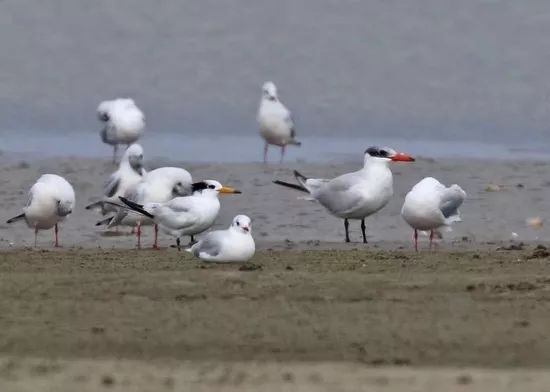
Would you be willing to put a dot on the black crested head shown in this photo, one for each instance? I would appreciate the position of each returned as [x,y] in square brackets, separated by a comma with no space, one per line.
[199,186]
[378,152]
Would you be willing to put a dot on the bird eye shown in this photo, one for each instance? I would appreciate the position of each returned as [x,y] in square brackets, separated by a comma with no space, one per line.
[238,224]
[178,184]
[211,186]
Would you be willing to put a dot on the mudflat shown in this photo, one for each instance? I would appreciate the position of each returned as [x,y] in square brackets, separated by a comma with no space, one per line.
[288,314]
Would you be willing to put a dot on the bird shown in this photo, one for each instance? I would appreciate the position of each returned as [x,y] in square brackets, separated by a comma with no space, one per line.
[124,122]
[50,200]
[430,205]
[234,244]
[130,172]
[358,194]
[188,215]
[157,186]
[275,120]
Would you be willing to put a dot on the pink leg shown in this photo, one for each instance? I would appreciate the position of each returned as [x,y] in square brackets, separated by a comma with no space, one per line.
[415,236]
[155,244]
[138,234]
[265,152]
[282,153]
[56,230]
[431,238]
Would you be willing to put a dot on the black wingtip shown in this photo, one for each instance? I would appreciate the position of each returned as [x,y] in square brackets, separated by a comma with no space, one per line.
[16,218]
[289,185]
[136,207]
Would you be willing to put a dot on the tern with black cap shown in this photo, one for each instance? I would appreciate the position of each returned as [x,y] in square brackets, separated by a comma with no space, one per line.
[355,195]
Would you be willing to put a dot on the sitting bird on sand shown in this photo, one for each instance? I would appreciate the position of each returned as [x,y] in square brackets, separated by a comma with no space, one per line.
[355,195]
[124,122]
[430,205]
[49,202]
[234,244]
[130,172]
[188,215]
[276,125]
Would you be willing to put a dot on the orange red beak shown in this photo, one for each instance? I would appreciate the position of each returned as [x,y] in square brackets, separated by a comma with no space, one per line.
[402,157]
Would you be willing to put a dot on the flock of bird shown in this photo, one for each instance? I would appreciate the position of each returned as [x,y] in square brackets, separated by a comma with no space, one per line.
[168,199]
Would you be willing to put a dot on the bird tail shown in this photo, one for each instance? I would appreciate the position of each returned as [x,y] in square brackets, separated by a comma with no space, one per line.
[295,143]
[292,186]
[16,218]
[98,205]
[300,178]
[136,207]
[105,221]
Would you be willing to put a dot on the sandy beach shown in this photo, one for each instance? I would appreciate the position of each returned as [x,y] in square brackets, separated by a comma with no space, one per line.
[307,313]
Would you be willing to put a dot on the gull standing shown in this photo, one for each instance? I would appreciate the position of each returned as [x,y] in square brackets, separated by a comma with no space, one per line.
[130,172]
[157,186]
[221,246]
[124,122]
[430,205]
[276,125]
[50,200]
[189,215]
[358,194]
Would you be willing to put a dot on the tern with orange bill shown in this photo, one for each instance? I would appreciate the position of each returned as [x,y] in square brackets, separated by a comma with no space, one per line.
[355,195]
[188,215]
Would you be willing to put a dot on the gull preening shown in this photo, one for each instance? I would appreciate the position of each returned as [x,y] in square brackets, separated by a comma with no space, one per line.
[130,172]
[275,120]
[124,122]
[188,215]
[430,205]
[234,244]
[157,186]
[50,200]
[358,194]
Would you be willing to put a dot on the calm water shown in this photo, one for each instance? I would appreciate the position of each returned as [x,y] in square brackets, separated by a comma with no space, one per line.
[473,71]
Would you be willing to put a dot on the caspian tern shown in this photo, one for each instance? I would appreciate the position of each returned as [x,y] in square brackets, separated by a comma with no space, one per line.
[430,205]
[232,245]
[358,194]
[276,125]
[49,201]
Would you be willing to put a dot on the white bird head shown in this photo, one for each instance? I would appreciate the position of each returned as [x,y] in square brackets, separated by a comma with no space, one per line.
[385,154]
[134,156]
[269,91]
[212,187]
[242,224]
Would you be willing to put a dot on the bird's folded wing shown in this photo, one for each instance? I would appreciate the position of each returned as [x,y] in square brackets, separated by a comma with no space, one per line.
[211,245]
[451,199]
[112,185]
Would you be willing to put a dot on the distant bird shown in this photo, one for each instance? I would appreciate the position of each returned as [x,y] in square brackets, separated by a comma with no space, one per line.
[276,125]
[49,202]
[124,122]
[358,194]
[130,172]
[157,186]
[430,205]
[232,245]
[188,215]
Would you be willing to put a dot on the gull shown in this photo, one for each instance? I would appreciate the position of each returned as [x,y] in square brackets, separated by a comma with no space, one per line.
[124,122]
[430,205]
[157,186]
[49,201]
[130,172]
[188,215]
[358,194]
[276,125]
[232,245]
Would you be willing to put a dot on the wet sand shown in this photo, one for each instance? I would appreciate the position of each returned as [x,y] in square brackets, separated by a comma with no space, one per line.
[449,314]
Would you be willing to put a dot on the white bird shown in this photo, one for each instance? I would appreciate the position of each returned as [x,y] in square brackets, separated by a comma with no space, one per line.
[124,122]
[276,125]
[430,205]
[188,215]
[358,194]
[50,200]
[157,186]
[232,245]
[130,172]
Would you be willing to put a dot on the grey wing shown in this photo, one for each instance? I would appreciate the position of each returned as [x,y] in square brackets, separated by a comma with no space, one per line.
[112,186]
[337,195]
[211,245]
[452,198]
[290,124]
[131,194]
[29,199]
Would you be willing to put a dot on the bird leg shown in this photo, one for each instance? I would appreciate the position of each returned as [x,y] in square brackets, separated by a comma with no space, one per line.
[155,244]
[138,235]
[56,230]
[266,147]
[35,235]
[363,227]
[178,244]
[115,148]
[282,153]
[431,238]
[346,226]
[192,241]
[415,237]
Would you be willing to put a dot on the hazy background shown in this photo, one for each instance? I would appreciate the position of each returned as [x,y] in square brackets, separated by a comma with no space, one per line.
[443,69]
